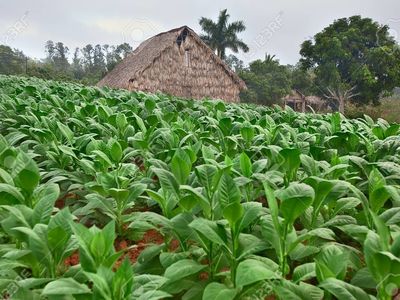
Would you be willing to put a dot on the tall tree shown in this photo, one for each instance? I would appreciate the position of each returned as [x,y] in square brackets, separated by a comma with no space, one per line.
[109,53]
[223,35]
[353,58]
[234,63]
[49,50]
[303,80]
[87,60]
[57,56]
[12,61]
[77,68]
[60,57]
[99,63]
[123,50]
[114,54]
[267,81]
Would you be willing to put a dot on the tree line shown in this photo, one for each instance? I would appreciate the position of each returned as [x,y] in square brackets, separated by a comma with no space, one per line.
[353,59]
[88,64]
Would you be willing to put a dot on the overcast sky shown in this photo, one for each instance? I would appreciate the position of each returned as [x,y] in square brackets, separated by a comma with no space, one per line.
[275,27]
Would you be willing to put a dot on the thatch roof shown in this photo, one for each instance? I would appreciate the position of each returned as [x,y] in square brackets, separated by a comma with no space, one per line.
[295,95]
[314,100]
[148,51]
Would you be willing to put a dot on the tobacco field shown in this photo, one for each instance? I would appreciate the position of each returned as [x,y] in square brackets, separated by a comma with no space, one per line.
[117,195]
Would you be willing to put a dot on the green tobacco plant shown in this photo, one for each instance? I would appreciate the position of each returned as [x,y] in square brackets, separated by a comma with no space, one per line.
[210,200]
[115,189]
[96,247]
[97,259]
[294,201]
[43,242]
[381,256]
[227,240]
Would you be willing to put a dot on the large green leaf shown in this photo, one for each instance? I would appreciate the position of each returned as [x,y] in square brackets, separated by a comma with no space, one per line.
[181,166]
[115,151]
[291,161]
[47,195]
[167,180]
[37,241]
[245,165]
[295,200]
[331,262]
[66,132]
[209,230]
[218,291]
[304,272]
[286,290]
[252,211]
[205,174]
[65,286]
[227,192]
[251,271]
[14,195]
[322,188]
[183,268]
[343,290]
[233,212]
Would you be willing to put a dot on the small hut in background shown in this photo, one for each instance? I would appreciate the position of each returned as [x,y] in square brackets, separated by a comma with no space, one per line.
[296,100]
[317,103]
[179,63]
[299,102]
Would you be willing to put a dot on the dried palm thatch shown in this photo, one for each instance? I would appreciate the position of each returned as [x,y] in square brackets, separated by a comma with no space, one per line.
[299,102]
[179,63]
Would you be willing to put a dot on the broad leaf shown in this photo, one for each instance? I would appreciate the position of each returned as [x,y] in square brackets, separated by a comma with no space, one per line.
[295,200]
[182,269]
[65,286]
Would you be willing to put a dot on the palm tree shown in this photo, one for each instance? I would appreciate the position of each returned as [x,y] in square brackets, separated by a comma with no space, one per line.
[222,35]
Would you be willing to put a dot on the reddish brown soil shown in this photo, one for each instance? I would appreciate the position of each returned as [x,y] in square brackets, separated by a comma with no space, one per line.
[203,276]
[138,161]
[153,236]
[263,201]
[298,226]
[73,260]
[60,203]
[150,237]
[174,245]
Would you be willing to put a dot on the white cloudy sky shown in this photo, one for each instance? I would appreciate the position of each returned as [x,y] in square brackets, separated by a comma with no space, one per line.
[275,26]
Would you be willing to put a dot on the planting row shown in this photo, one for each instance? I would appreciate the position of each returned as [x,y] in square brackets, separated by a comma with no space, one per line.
[108,194]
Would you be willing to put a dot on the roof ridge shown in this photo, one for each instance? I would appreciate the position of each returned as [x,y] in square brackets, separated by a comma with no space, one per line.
[138,65]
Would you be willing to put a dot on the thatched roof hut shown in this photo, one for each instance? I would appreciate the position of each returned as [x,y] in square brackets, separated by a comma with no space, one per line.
[295,100]
[317,103]
[179,63]
[299,102]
